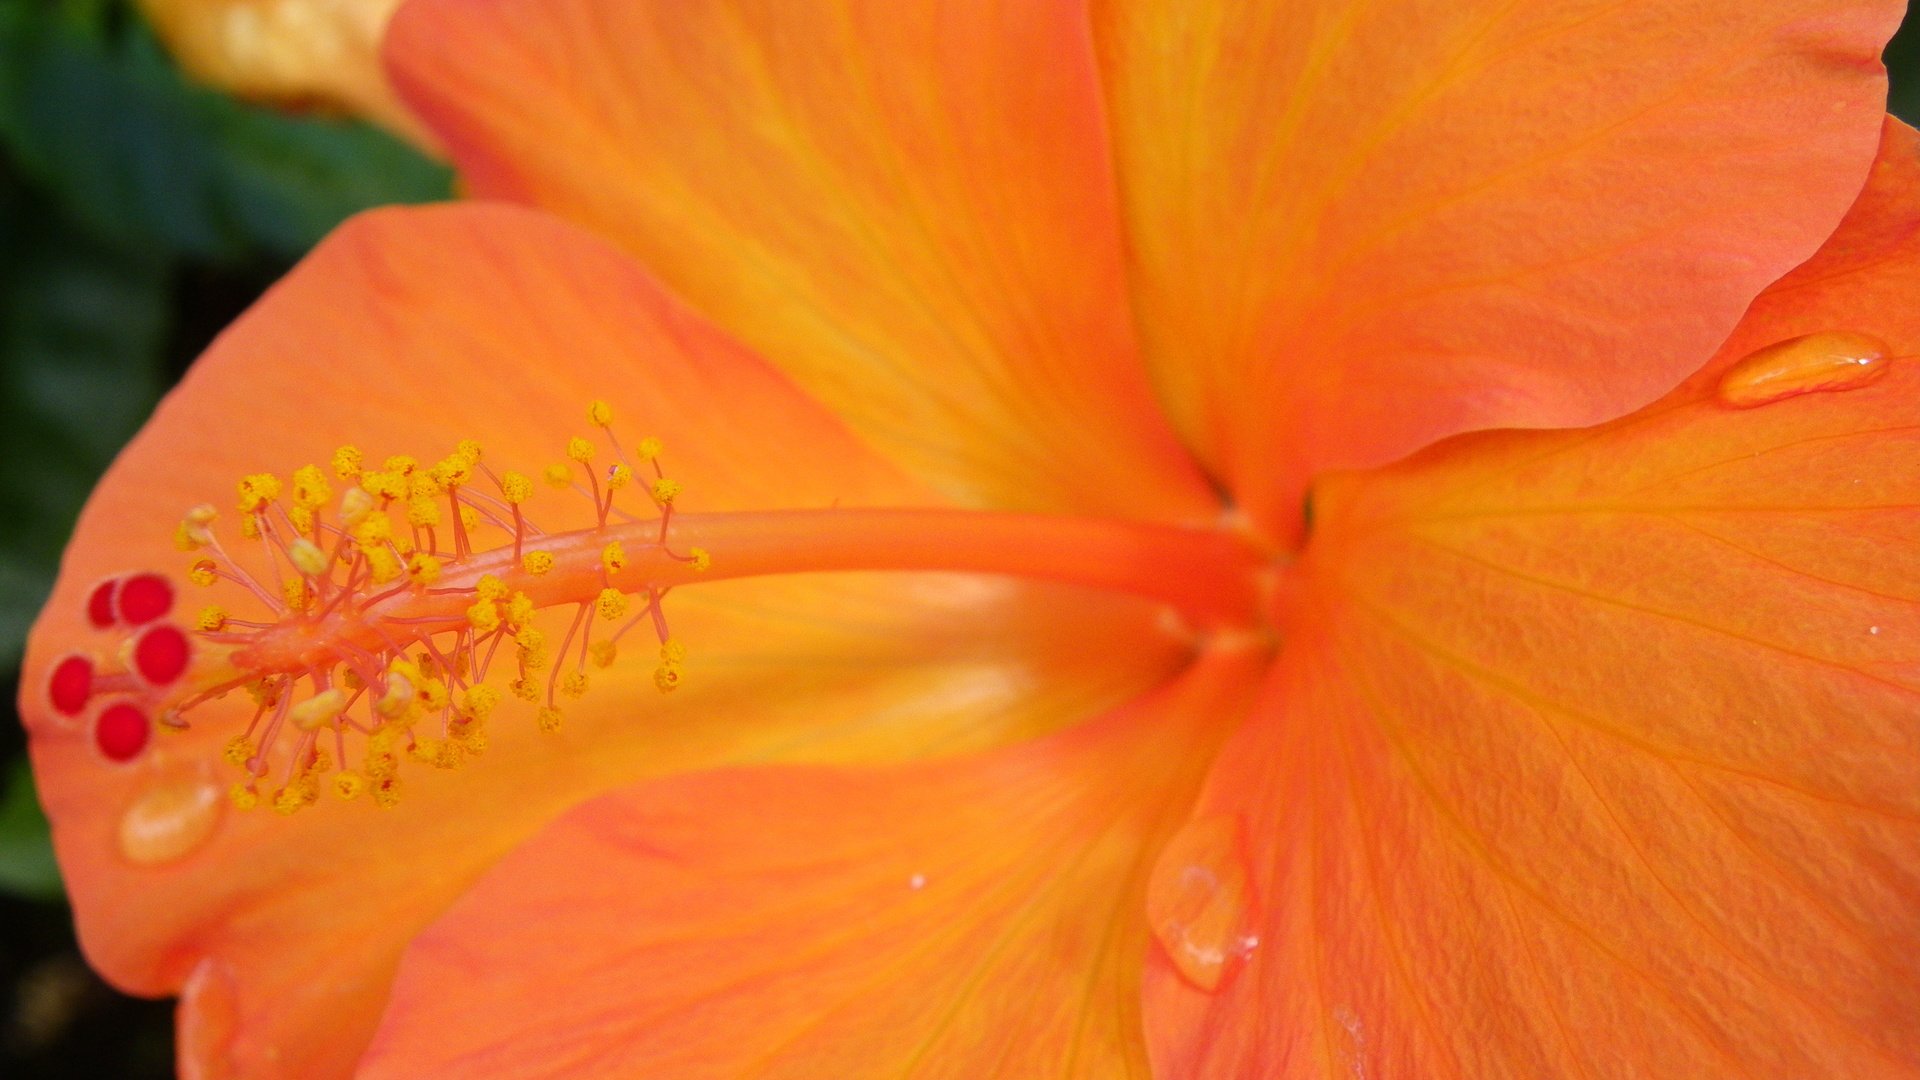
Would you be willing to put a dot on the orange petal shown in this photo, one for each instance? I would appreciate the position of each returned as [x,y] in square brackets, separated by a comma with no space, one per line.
[292,51]
[973,917]
[404,332]
[1593,753]
[909,211]
[1358,228]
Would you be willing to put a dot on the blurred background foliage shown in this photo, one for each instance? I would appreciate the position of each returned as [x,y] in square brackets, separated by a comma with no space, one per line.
[139,214]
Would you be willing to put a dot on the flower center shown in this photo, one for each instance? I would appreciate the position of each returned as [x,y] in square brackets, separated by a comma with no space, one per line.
[396,616]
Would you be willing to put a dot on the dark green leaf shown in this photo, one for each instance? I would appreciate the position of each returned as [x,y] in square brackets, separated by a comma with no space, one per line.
[26,851]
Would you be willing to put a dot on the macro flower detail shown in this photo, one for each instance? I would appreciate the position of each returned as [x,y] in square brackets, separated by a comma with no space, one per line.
[1204,540]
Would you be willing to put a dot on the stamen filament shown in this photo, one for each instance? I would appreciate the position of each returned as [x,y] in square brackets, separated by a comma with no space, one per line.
[1206,573]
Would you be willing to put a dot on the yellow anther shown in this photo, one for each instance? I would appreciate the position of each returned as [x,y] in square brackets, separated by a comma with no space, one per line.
[289,800]
[469,517]
[310,487]
[386,792]
[374,530]
[321,764]
[302,519]
[603,653]
[401,463]
[666,677]
[448,754]
[381,760]
[423,512]
[453,471]
[423,750]
[516,488]
[194,532]
[385,484]
[346,462]
[579,450]
[558,476]
[573,684]
[424,485]
[468,450]
[349,785]
[548,718]
[664,490]
[257,490]
[307,557]
[484,616]
[423,569]
[479,702]
[296,592]
[649,448]
[203,572]
[471,737]
[243,797]
[613,557]
[672,652]
[612,603]
[431,694]
[355,505]
[318,710]
[381,765]
[525,689]
[238,750]
[383,564]
[536,562]
[250,527]
[491,588]
[599,413]
[398,698]
[520,611]
[701,560]
[264,692]
[211,619]
[618,477]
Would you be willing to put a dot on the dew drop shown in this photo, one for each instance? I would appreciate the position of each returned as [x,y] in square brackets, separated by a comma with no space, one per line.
[207,1022]
[170,822]
[1834,360]
[121,731]
[71,685]
[1200,902]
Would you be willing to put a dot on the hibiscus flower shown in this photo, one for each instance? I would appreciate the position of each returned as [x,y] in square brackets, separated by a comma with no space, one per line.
[1239,539]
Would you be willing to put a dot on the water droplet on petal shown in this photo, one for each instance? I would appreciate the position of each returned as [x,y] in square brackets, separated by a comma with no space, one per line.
[1200,902]
[206,1022]
[1834,360]
[170,822]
